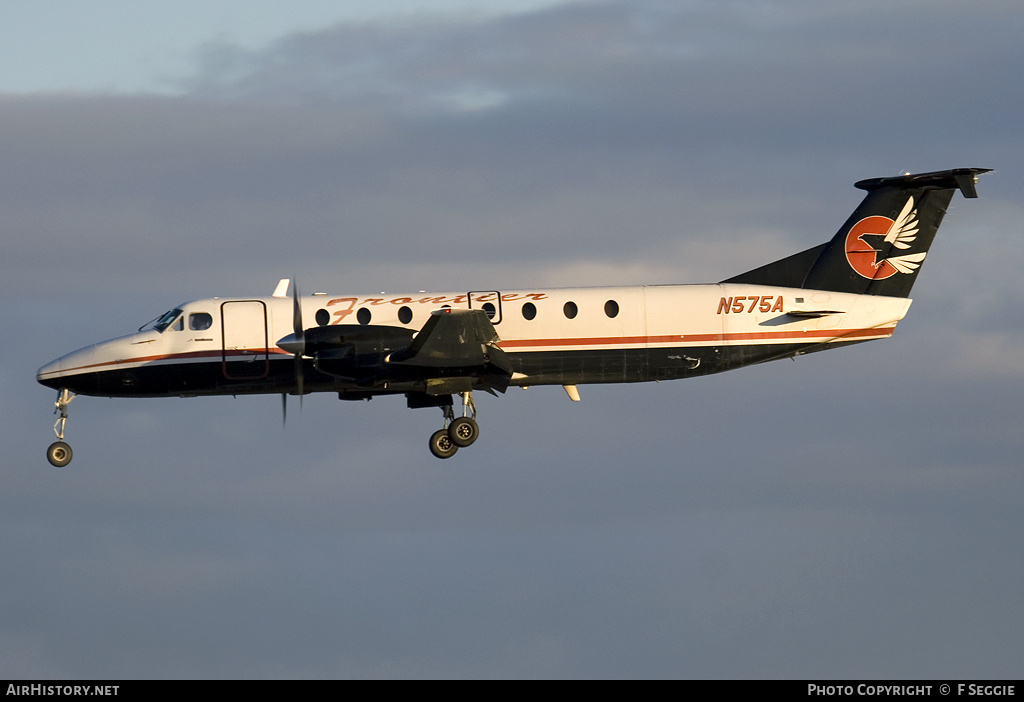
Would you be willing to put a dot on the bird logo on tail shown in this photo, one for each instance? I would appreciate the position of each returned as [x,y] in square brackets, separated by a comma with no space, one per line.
[898,233]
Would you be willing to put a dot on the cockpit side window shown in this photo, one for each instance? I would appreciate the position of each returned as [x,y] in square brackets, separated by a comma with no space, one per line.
[167,319]
[198,321]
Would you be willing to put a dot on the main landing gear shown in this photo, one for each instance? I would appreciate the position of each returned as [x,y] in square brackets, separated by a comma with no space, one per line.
[59,453]
[458,432]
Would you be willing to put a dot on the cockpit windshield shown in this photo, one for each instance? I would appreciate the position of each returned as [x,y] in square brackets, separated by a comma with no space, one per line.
[163,321]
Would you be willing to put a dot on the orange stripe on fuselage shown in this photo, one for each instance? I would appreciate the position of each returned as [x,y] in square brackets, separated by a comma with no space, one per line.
[214,354]
[823,335]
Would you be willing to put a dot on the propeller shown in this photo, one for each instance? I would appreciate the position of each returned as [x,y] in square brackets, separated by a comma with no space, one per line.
[300,338]
[294,343]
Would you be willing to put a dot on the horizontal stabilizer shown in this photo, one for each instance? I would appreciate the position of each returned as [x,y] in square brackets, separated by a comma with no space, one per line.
[962,179]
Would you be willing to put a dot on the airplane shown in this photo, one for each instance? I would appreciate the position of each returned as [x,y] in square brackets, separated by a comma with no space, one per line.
[430,347]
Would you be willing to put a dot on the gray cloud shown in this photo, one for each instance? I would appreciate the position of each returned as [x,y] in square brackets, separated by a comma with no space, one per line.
[852,514]
[658,102]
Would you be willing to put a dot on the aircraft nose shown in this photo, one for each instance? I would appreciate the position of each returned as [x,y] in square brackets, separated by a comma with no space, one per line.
[60,373]
[50,374]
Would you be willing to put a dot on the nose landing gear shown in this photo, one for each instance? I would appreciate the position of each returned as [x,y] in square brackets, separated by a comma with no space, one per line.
[59,453]
[457,432]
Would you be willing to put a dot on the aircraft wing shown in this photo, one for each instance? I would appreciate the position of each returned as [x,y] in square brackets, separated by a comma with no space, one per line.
[457,349]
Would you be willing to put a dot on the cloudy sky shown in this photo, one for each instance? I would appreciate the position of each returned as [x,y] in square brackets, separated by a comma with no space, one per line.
[850,514]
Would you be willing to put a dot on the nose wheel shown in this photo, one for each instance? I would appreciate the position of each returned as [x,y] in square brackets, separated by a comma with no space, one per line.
[458,432]
[59,453]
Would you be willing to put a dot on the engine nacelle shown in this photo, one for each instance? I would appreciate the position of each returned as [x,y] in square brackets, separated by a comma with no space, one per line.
[354,350]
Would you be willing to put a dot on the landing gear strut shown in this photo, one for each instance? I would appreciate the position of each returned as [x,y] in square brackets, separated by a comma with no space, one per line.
[59,453]
[457,432]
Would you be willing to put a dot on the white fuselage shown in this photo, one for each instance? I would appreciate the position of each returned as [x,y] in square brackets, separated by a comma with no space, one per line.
[551,336]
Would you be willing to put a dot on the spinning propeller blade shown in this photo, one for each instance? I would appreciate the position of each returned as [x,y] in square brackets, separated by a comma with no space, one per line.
[297,345]
[300,338]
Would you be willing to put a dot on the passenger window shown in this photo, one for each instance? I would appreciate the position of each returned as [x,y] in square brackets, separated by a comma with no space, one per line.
[529,310]
[570,309]
[198,321]
[404,315]
[323,317]
[363,316]
[611,308]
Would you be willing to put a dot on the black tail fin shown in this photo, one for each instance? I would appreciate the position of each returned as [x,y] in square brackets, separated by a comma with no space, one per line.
[880,248]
